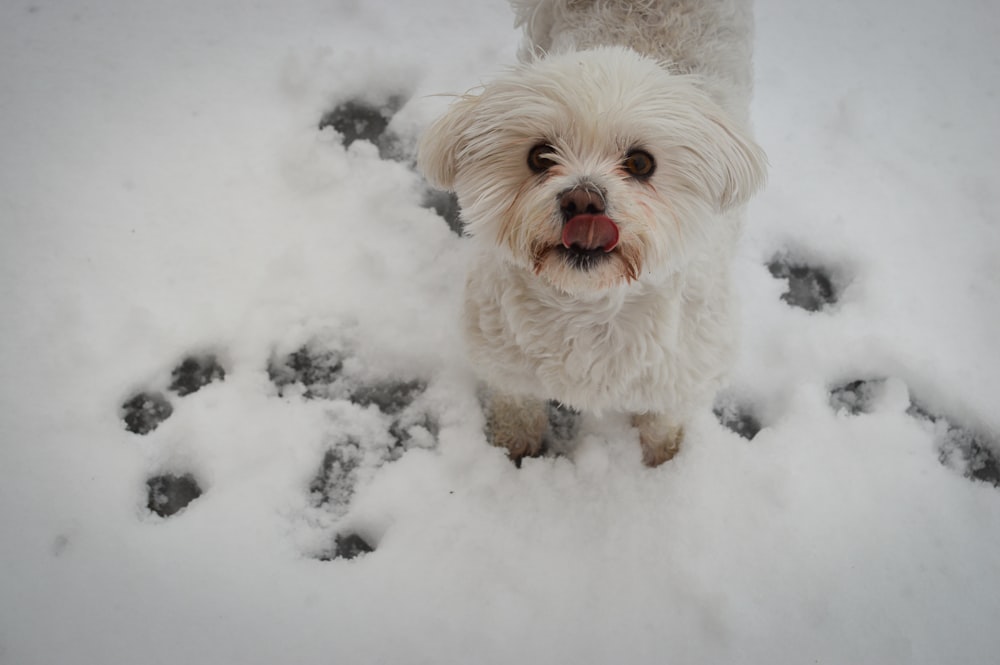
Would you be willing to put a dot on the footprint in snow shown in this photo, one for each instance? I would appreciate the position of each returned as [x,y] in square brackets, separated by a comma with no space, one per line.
[143,412]
[169,494]
[146,410]
[810,287]
[312,372]
[737,415]
[324,372]
[969,451]
[362,120]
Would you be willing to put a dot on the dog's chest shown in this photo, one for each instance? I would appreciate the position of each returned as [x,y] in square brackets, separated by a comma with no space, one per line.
[616,352]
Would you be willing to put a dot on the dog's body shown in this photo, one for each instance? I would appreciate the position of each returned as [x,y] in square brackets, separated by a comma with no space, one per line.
[603,181]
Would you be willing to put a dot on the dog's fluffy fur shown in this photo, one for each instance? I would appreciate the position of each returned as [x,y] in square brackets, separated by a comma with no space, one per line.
[626,308]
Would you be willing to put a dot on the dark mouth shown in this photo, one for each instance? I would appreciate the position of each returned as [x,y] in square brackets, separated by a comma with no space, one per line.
[583,259]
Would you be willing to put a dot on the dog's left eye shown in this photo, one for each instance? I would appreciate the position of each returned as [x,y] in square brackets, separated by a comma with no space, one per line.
[538,160]
[639,164]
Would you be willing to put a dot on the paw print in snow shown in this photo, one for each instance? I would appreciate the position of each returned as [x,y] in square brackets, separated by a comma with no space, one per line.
[169,494]
[359,119]
[737,416]
[972,452]
[144,411]
[810,287]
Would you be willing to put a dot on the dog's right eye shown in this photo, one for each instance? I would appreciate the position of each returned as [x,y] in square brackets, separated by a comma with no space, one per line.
[538,160]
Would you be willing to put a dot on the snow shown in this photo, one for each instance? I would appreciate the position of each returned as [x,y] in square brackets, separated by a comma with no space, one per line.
[165,193]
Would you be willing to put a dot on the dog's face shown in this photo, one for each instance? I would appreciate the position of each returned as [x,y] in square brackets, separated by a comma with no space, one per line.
[591,168]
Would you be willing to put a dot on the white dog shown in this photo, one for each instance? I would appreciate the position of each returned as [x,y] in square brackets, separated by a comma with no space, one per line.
[602,181]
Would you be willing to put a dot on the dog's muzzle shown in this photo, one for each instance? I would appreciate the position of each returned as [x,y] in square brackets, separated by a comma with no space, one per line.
[586,229]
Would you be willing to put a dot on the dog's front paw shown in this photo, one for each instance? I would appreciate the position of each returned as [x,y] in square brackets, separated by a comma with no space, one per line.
[518,424]
[659,436]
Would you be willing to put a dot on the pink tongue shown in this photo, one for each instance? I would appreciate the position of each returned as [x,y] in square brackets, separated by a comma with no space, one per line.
[590,232]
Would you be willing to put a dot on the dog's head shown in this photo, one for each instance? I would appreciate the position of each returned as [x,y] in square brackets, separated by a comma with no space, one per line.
[589,168]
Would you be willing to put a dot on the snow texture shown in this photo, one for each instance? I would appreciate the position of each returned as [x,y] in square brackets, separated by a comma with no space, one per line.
[238,426]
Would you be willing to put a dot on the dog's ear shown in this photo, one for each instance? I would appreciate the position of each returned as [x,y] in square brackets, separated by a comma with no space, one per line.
[443,142]
[728,165]
[744,167]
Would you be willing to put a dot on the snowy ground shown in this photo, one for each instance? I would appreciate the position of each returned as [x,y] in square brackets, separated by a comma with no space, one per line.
[166,196]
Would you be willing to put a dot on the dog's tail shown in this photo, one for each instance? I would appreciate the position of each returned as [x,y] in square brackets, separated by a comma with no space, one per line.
[712,39]
[537,18]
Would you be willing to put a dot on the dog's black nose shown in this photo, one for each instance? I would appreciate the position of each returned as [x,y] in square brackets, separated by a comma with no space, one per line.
[581,201]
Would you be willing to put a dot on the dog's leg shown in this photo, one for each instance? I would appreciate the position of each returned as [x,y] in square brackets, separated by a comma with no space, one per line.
[659,435]
[517,423]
